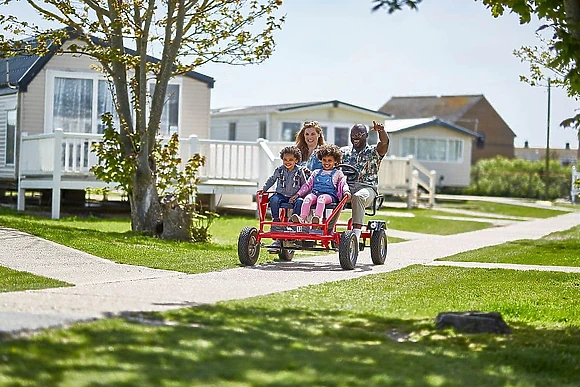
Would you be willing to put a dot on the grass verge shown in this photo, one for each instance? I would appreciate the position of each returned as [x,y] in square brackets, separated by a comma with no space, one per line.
[504,209]
[14,281]
[372,331]
[556,249]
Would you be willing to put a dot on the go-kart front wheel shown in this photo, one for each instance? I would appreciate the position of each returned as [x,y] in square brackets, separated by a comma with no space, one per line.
[248,246]
[348,250]
[379,246]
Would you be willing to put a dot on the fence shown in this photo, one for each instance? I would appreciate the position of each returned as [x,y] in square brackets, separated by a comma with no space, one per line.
[62,160]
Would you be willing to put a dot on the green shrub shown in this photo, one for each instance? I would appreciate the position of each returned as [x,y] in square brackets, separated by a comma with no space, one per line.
[505,177]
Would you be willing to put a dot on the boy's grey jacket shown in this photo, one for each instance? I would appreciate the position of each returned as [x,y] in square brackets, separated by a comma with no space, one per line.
[289,182]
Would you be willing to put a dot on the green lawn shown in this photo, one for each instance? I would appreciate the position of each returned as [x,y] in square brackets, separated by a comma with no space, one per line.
[492,208]
[556,249]
[372,331]
[14,281]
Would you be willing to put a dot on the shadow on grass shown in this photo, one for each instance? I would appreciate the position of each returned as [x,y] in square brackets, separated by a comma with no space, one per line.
[301,265]
[257,346]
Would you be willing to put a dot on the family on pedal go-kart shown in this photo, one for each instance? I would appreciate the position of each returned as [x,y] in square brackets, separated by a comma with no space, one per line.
[327,177]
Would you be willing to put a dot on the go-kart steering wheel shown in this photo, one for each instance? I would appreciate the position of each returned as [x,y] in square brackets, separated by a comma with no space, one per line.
[351,172]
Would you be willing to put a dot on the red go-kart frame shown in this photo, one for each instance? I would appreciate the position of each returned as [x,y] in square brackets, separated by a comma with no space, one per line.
[329,234]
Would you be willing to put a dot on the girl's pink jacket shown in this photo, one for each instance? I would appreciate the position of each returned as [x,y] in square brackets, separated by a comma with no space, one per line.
[339,180]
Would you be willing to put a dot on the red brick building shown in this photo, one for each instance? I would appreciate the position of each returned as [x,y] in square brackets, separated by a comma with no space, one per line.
[472,112]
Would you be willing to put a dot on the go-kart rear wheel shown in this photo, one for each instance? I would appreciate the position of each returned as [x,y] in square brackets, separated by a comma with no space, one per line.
[285,254]
[348,250]
[248,246]
[379,246]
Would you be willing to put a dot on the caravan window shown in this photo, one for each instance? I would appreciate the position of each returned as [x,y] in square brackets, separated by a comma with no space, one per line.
[433,149]
[289,130]
[72,109]
[170,117]
[79,99]
[10,136]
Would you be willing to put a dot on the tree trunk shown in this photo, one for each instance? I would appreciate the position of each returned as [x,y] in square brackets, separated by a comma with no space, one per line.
[146,215]
[176,221]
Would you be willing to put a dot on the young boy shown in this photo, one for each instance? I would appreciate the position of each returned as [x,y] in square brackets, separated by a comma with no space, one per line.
[289,177]
[324,186]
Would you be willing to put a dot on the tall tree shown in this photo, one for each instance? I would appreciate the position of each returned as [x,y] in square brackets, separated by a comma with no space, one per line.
[184,34]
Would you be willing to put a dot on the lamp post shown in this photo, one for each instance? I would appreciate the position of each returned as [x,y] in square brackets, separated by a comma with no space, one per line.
[548,144]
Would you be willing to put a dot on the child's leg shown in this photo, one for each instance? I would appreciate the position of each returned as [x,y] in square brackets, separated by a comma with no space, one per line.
[309,200]
[275,201]
[321,203]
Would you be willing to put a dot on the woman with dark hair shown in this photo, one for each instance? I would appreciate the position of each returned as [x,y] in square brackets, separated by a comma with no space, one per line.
[308,139]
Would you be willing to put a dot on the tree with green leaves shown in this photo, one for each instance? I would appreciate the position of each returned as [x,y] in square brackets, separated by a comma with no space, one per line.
[120,34]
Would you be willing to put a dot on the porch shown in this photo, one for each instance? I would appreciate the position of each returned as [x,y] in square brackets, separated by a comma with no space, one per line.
[59,161]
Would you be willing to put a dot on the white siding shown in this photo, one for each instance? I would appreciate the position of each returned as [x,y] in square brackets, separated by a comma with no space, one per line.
[195,108]
[455,174]
[247,127]
[7,102]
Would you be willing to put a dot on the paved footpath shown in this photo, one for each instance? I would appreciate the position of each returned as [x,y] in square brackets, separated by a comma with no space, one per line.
[103,288]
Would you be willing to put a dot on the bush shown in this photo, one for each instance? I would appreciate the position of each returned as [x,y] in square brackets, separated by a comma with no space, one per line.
[505,177]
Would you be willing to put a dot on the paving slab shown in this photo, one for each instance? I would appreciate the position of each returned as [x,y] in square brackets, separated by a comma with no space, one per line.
[104,288]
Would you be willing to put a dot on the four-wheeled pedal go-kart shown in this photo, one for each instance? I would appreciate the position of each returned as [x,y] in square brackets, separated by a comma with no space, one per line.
[329,234]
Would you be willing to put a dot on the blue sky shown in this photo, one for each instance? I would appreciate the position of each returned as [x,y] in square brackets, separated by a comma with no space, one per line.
[340,50]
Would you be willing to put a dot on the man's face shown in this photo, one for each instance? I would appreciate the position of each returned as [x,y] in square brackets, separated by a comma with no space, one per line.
[358,137]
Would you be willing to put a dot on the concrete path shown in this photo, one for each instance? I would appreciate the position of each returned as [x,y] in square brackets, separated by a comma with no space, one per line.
[104,288]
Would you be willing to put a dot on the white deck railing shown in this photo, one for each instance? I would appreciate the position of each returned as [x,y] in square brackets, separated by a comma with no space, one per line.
[574,191]
[62,160]
[403,176]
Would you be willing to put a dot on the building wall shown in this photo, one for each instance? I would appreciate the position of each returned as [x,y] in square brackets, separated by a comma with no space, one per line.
[499,139]
[247,127]
[7,102]
[454,174]
[194,103]
[195,108]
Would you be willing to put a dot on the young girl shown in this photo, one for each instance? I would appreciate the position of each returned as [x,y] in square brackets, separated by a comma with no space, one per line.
[324,186]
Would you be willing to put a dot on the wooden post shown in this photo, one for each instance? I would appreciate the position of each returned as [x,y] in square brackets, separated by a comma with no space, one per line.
[56,173]
[21,199]
[432,187]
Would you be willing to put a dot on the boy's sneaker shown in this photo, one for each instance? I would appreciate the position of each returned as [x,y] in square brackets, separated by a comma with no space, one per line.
[296,218]
[274,247]
[316,219]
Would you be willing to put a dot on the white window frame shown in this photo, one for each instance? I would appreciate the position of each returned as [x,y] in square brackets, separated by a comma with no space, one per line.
[448,141]
[6,137]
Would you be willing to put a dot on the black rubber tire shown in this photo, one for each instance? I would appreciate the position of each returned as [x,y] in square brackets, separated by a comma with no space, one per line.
[379,247]
[285,254]
[248,246]
[348,250]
